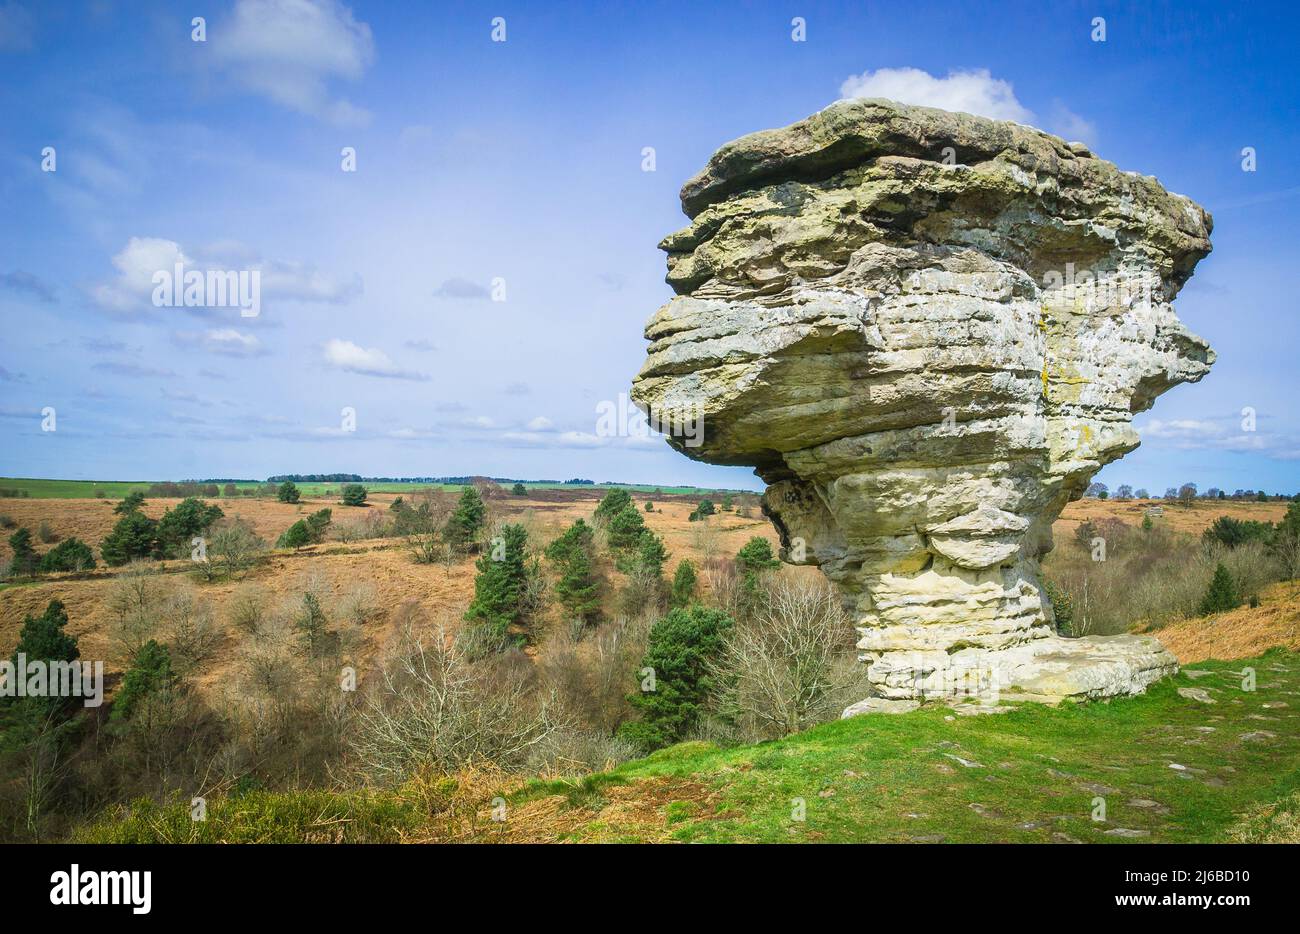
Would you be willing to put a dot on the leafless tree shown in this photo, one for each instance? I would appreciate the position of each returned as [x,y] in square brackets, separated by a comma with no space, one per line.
[433,707]
[791,664]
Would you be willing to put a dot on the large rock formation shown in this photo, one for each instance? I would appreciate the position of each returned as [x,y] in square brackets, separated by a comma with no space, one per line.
[927,331]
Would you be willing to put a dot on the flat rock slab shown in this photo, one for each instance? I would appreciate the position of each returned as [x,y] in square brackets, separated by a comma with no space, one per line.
[879,705]
[1197,694]
[1055,669]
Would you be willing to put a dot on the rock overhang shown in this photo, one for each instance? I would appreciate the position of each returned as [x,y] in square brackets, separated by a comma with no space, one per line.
[926,331]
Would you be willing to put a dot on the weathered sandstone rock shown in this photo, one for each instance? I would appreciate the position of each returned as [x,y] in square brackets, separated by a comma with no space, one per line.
[927,331]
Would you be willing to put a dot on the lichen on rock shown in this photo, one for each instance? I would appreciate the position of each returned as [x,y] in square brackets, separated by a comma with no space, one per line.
[927,331]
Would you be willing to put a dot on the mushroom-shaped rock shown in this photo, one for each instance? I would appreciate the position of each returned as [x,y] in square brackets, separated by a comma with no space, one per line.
[927,331]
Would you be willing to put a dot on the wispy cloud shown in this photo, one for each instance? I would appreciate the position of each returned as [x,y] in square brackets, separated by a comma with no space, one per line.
[1222,433]
[226,341]
[289,51]
[365,361]
[133,370]
[461,288]
[27,284]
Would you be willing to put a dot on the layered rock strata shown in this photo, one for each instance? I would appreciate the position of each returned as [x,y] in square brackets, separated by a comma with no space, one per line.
[927,331]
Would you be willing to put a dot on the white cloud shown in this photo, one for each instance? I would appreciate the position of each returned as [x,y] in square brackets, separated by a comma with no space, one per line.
[541,423]
[412,434]
[136,265]
[972,92]
[563,439]
[1221,433]
[352,358]
[226,341]
[1069,125]
[289,51]
[142,257]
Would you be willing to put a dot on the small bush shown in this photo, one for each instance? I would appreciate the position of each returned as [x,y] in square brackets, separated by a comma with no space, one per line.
[702,511]
[1222,595]
[45,532]
[248,609]
[71,554]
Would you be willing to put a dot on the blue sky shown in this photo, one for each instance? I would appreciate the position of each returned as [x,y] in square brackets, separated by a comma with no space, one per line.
[521,162]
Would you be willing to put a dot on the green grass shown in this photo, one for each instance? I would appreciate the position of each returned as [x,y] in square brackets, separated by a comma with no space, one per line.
[117,489]
[1038,776]
[892,778]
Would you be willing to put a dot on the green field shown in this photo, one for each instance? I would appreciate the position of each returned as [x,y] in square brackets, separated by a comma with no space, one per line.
[117,489]
[1036,774]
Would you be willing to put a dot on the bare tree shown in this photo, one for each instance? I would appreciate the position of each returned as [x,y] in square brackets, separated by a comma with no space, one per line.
[234,548]
[791,664]
[433,707]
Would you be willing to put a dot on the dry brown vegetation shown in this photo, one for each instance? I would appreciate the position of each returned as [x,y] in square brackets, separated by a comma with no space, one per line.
[385,565]
[260,699]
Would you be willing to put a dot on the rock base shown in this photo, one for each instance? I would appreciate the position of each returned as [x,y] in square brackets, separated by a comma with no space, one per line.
[1047,670]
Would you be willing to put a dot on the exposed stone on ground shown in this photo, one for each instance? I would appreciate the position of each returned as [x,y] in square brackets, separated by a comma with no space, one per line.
[1127,832]
[880,705]
[1196,694]
[875,311]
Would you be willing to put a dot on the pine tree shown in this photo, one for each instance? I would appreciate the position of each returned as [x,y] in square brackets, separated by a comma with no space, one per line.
[625,529]
[288,492]
[1222,595]
[578,588]
[295,536]
[614,502]
[756,555]
[577,536]
[41,639]
[191,517]
[130,503]
[702,511]
[317,523]
[753,561]
[651,553]
[312,626]
[25,559]
[134,536]
[150,672]
[71,554]
[680,647]
[466,522]
[683,593]
[500,584]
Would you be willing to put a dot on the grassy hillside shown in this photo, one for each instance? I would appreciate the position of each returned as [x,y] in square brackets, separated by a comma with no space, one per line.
[1167,766]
